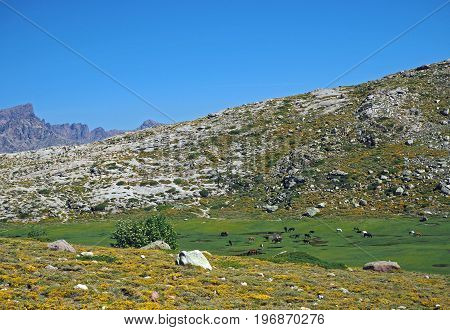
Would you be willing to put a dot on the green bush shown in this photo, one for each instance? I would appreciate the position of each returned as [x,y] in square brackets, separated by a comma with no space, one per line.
[138,233]
[204,193]
[100,207]
[37,233]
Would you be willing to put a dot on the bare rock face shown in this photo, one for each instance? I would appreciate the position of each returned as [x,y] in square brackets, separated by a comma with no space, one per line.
[382,266]
[61,245]
[194,258]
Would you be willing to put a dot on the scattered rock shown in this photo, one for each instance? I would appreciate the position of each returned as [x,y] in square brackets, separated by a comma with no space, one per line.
[270,208]
[61,245]
[156,245]
[344,290]
[87,254]
[399,191]
[311,211]
[321,205]
[382,266]
[50,267]
[81,287]
[194,258]
[443,188]
[409,142]
[362,202]
[154,296]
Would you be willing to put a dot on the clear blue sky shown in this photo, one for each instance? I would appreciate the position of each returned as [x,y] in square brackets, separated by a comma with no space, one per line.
[195,57]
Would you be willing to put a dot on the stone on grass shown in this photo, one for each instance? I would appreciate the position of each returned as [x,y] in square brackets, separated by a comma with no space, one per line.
[270,208]
[50,267]
[194,258]
[87,254]
[154,296]
[311,211]
[80,287]
[382,266]
[157,245]
[61,245]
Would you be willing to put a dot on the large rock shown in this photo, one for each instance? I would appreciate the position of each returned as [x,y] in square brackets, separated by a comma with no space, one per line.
[156,245]
[311,211]
[194,258]
[270,208]
[382,266]
[61,245]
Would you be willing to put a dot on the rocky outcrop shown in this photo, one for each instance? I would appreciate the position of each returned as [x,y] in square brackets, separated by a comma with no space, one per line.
[61,245]
[194,258]
[156,245]
[382,266]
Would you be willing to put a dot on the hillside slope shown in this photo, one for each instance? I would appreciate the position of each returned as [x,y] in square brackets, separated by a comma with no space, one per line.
[378,147]
[123,279]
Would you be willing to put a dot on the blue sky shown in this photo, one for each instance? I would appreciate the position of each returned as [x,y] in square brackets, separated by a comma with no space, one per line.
[194,57]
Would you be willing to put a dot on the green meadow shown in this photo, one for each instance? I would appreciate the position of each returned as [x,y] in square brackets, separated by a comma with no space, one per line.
[391,240]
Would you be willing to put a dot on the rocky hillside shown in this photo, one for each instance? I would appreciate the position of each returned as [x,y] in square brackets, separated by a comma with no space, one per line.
[21,129]
[378,147]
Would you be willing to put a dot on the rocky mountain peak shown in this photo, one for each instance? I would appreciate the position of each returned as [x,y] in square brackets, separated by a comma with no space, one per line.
[22,130]
[17,112]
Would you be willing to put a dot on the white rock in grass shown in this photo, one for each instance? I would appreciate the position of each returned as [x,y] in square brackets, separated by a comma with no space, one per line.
[87,254]
[80,287]
[194,258]
[60,245]
[50,267]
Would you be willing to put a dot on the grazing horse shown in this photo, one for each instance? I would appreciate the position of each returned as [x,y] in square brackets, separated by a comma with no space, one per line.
[412,232]
[253,252]
[308,235]
[230,243]
[338,230]
[277,238]
[285,229]
[224,234]
[418,234]
[357,229]
[251,239]
[306,241]
[311,231]
[291,229]
[423,219]
[366,234]
[295,236]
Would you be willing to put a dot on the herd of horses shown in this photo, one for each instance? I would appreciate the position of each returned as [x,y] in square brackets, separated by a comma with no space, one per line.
[277,237]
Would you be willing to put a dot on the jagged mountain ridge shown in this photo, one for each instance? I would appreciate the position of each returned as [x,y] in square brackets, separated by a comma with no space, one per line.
[22,130]
[378,147]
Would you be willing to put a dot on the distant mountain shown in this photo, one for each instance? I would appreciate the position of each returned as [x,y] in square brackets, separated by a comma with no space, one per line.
[148,124]
[21,130]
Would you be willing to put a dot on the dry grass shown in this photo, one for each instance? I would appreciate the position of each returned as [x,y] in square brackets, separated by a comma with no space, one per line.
[128,281]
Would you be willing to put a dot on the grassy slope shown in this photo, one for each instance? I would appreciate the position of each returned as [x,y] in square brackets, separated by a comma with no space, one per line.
[128,282]
[391,239]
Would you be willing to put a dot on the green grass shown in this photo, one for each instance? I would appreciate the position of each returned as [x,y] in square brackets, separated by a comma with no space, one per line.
[391,240]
